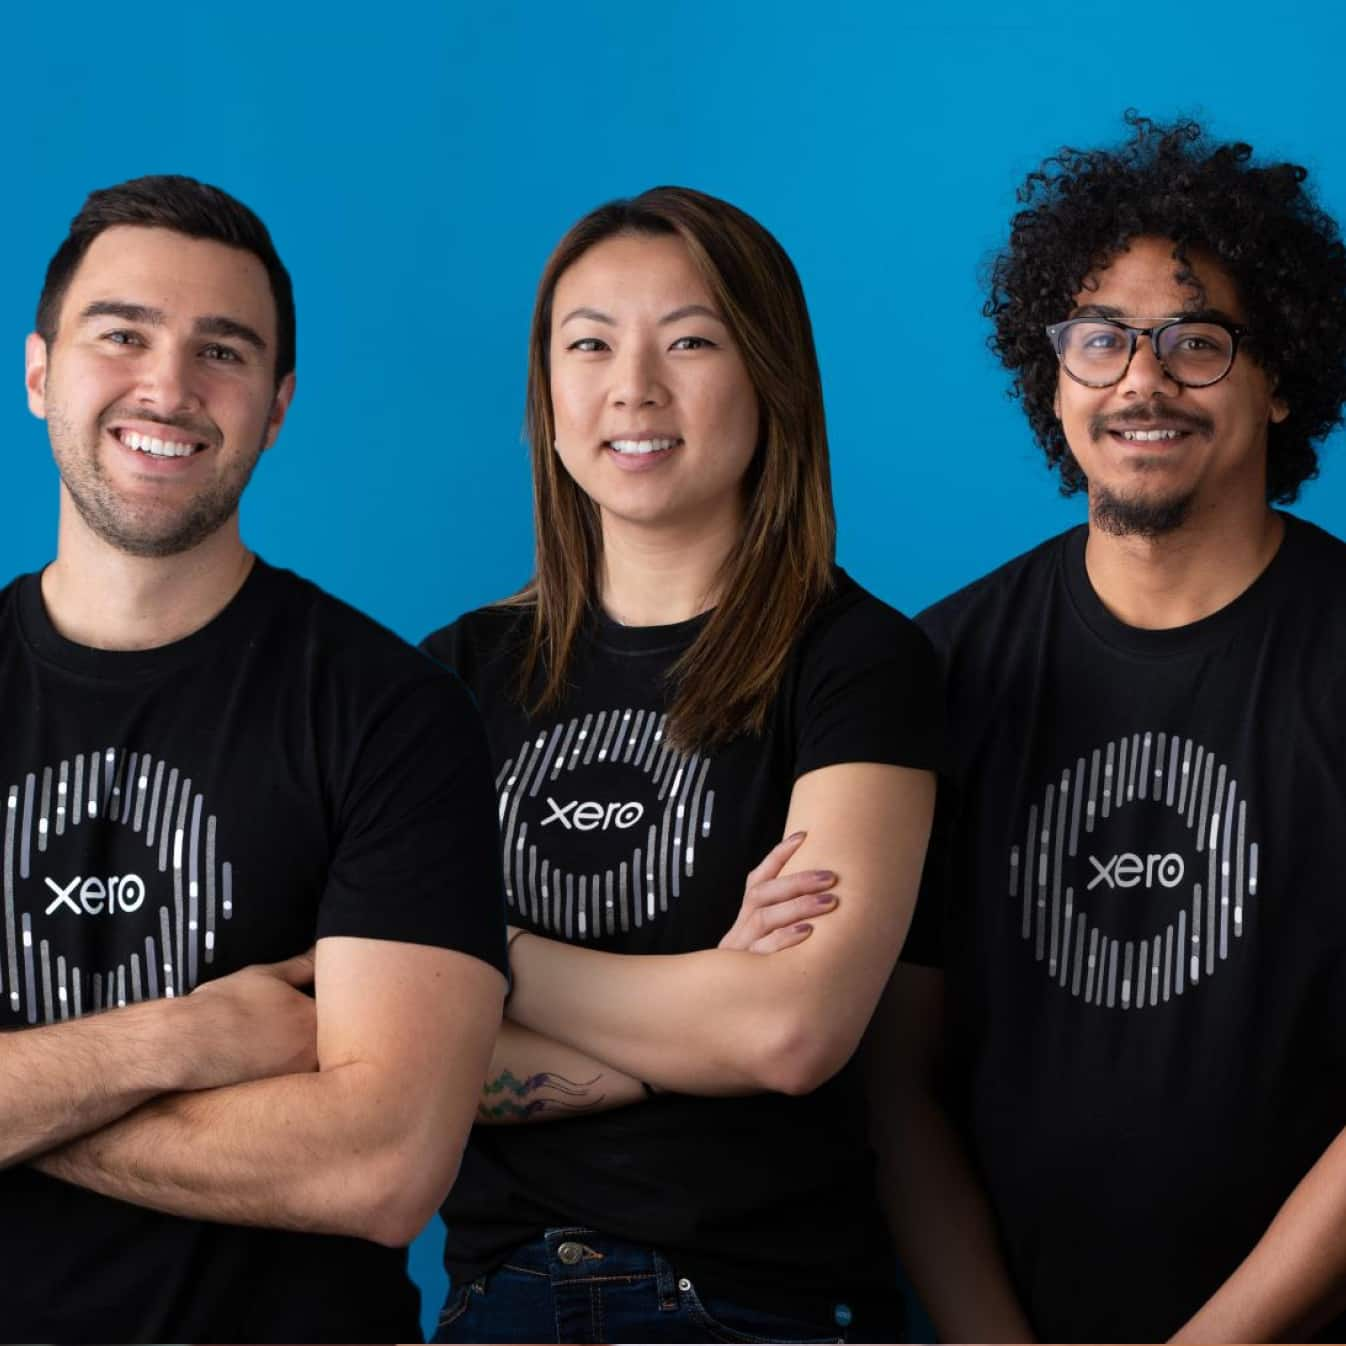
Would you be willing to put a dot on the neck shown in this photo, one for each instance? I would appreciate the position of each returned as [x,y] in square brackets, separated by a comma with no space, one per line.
[1181,577]
[657,578]
[105,599]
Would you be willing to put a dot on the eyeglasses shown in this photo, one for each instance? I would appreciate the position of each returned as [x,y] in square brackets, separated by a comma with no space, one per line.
[1097,352]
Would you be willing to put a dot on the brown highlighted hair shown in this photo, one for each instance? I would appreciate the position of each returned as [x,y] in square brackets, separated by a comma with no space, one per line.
[781,567]
[186,206]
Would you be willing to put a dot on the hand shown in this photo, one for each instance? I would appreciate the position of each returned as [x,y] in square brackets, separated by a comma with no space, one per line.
[776,912]
[253,1024]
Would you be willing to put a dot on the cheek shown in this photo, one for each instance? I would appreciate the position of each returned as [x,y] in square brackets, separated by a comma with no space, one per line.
[572,408]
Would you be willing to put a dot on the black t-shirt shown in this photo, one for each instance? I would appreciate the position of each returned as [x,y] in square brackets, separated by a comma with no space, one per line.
[288,772]
[612,838]
[1144,935]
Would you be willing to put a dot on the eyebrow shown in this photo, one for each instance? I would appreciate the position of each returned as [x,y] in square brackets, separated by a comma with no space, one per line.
[212,324]
[592,314]
[690,311]
[1112,314]
[678,314]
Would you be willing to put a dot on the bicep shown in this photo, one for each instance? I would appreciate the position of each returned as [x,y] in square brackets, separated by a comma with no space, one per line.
[418,1020]
[869,823]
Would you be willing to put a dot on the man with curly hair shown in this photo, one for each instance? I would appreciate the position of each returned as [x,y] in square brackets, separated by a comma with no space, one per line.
[1127,970]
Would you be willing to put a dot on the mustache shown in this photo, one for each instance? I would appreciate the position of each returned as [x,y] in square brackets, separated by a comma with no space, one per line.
[1145,418]
[204,430]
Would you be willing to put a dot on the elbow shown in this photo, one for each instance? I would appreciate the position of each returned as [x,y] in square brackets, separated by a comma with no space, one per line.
[401,1194]
[799,1056]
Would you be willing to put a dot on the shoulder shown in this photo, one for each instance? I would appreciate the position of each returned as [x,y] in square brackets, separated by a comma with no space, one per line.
[866,685]
[482,643]
[345,652]
[853,625]
[978,612]
[1315,551]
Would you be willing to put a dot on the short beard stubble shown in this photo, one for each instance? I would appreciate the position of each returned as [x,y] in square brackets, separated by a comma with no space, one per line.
[143,532]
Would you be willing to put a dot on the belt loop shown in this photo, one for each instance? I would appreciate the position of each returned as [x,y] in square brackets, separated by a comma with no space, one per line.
[666,1283]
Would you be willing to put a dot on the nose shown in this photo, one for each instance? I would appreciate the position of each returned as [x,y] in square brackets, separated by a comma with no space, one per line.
[1145,377]
[167,380]
[636,377]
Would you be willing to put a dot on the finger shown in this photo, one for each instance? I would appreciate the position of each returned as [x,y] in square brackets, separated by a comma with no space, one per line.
[780,915]
[774,860]
[298,971]
[782,939]
[788,886]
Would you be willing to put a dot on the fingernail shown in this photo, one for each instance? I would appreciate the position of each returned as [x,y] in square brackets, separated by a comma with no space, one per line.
[796,836]
[803,928]
[823,900]
[824,875]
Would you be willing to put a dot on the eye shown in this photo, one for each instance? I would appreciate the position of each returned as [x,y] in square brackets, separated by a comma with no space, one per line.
[225,354]
[588,345]
[1102,341]
[121,337]
[692,343]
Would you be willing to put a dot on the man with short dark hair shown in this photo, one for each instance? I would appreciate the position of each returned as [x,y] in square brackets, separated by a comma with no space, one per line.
[214,767]
[1135,1000]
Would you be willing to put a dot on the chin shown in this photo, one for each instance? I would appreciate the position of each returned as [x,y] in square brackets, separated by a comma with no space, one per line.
[1147,514]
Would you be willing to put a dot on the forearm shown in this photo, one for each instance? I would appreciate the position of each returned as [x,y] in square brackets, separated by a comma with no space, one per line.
[310,1152]
[59,1082]
[534,1078]
[1294,1280]
[704,1023]
[942,1226]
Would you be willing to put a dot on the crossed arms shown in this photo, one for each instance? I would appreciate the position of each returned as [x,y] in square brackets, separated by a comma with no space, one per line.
[584,1029]
[248,1102]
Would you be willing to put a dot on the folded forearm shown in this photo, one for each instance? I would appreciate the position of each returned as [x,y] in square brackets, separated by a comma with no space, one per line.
[59,1082]
[310,1152]
[704,1023]
[534,1078]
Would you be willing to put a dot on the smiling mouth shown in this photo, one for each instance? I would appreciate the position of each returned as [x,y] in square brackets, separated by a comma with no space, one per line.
[642,447]
[1150,436]
[154,447]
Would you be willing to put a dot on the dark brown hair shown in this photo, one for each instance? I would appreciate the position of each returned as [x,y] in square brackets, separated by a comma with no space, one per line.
[781,566]
[169,201]
[1258,221]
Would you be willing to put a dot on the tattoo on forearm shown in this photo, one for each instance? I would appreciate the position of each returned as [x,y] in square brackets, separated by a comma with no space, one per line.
[508,1098]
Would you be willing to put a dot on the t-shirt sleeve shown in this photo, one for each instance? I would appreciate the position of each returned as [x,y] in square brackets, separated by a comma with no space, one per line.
[416,856]
[870,691]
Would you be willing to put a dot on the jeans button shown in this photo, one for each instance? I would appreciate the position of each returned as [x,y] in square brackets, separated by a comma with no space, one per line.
[684,1285]
[570,1253]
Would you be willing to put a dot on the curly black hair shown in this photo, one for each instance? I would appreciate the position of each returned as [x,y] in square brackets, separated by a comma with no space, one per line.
[1259,221]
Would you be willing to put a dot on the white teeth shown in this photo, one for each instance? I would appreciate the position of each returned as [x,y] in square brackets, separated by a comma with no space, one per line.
[156,448]
[1149,436]
[641,445]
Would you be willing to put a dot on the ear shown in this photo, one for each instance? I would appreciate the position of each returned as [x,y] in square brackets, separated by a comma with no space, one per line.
[280,405]
[35,374]
[1280,409]
[1056,400]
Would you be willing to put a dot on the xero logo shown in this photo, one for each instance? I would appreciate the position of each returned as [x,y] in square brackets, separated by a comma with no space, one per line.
[96,896]
[114,885]
[585,868]
[590,815]
[1129,869]
[1188,893]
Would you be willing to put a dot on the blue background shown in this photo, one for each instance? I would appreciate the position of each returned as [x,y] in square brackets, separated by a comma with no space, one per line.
[416,165]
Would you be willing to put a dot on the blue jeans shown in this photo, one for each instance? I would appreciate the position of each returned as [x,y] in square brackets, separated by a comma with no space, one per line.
[576,1285]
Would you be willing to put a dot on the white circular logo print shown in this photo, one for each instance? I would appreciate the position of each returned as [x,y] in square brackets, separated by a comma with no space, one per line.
[1194,879]
[603,787]
[113,887]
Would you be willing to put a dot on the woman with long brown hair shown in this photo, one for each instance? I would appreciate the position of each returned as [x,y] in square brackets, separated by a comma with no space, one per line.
[672,1139]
